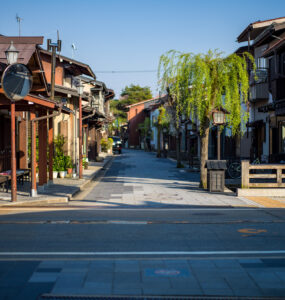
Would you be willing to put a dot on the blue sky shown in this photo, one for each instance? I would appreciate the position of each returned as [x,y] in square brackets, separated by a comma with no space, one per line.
[119,35]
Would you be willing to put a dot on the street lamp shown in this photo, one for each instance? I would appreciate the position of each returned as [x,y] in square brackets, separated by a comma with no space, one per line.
[12,54]
[12,58]
[219,118]
[80,88]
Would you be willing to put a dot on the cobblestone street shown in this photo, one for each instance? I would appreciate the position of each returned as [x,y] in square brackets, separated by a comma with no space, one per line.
[140,179]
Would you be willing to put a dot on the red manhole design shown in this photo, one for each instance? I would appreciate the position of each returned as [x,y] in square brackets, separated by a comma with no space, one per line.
[167,272]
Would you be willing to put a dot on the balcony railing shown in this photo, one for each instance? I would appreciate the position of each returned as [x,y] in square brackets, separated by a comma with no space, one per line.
[260,76]
[259,85]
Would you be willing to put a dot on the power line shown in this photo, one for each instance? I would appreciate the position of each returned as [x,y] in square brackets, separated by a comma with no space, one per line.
[127,71]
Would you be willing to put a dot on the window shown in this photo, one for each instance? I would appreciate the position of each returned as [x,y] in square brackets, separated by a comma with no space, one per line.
[261,63]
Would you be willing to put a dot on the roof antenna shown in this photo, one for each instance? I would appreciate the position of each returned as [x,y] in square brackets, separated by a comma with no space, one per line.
[73,49]
[19,20]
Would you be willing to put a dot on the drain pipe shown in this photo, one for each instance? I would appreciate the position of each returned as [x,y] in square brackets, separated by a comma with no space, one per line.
[91,115]
[75,135]
[33,152]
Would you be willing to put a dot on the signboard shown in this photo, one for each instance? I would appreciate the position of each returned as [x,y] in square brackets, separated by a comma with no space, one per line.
[16,82]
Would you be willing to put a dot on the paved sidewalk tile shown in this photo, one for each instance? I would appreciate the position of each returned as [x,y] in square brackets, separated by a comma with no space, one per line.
[140,179]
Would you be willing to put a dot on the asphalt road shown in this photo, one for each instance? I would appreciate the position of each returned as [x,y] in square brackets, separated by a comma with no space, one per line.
[144,231]
[143,241]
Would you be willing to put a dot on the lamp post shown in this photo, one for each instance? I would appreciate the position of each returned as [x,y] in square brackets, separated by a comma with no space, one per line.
[12,57]
[219,118]
[80,92]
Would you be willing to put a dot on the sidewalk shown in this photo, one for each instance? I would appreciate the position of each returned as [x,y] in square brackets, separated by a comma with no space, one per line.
[60,191]
[148,277]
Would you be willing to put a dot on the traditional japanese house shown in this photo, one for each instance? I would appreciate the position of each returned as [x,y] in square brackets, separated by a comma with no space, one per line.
[34,105]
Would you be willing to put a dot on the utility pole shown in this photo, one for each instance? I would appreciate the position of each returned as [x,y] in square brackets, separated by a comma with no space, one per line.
[53,47]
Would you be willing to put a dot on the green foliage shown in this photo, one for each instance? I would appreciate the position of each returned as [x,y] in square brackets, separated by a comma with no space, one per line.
[144,127]
[85,162]
[59,142]
[106,144]
[61,162]
[130,94]
[199,83]
[118,109]
[135,93]
[68,162]
[163,119]
[110,143]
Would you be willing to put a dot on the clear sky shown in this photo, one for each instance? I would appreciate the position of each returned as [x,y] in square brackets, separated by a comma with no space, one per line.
[130,35]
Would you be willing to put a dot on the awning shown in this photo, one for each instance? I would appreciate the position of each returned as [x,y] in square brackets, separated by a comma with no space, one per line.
[30,102]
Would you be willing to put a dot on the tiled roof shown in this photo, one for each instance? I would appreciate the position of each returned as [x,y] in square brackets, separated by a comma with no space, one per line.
[256,28]
[25,45]
[274,47]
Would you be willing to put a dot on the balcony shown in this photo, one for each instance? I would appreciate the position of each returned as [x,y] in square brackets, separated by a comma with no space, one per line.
[259,85]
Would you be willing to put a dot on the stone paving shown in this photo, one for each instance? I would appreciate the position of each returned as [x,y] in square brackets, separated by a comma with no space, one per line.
[139,179]
[58,192]
[216,277]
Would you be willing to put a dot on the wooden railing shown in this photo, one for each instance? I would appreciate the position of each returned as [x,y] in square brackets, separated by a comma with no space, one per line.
[275,172]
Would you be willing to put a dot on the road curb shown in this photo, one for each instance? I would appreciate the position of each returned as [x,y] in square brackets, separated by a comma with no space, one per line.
[94,175]
[58,200]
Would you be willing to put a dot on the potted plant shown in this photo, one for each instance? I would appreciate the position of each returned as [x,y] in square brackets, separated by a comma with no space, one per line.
[55,167]
[68,164]
[62,172]
[74,171]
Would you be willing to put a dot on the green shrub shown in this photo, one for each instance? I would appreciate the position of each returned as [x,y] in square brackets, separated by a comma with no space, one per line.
[106,144]
[110,143]
[68,162]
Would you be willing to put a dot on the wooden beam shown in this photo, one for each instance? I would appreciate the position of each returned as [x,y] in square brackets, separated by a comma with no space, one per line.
[266,185]
[263,176]
[266,167]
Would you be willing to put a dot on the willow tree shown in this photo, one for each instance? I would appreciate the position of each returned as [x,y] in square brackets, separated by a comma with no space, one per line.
[199,83]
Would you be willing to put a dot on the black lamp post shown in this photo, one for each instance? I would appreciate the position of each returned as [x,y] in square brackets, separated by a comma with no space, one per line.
[219,118]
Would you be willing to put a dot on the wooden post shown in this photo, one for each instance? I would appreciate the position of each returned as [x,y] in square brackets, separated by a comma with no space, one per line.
[244,174]
[80,138]
[279,177]
[33,158]
[42,151]
[13,155]
[50,144]
[219,143]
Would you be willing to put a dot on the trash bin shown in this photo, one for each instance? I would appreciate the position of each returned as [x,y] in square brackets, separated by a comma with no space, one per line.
[216,175]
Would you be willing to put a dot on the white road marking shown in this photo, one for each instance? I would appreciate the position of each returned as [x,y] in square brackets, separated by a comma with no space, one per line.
[142,253]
